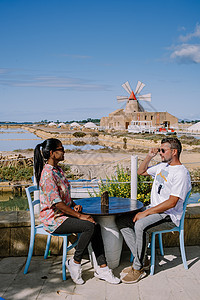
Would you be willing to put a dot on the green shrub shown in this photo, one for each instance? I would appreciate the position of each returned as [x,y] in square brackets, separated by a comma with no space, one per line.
[15,203]
[123,189]
[79,134]
[94,134]
[195,177]
[79,143]
[16,173]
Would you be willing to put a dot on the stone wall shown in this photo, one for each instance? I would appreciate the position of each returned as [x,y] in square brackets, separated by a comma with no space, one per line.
[15,234]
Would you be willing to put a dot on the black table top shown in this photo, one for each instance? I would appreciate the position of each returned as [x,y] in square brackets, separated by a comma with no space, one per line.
[92,206]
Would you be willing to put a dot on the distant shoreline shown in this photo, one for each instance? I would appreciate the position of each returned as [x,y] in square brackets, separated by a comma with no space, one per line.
[118,153]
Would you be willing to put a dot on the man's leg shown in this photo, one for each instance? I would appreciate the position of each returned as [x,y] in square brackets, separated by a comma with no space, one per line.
[152,222]
[143,228]
[126,227]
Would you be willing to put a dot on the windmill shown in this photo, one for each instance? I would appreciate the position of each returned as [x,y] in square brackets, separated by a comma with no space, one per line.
[132,102]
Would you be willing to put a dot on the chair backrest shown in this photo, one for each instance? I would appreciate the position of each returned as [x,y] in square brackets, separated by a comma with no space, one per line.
[181,226]
[31,203]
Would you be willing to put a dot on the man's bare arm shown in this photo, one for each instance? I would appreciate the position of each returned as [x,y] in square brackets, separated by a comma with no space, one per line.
[145,163]
[160,208]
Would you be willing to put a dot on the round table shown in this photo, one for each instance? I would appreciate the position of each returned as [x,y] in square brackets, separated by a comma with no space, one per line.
[105,216]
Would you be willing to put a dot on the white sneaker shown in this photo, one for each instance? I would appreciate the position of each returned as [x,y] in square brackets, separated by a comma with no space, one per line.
[75,271]
[106,274]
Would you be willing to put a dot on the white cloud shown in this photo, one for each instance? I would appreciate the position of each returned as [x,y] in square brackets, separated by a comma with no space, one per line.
[22,78]
[3,71]
[187,53]
[195,34]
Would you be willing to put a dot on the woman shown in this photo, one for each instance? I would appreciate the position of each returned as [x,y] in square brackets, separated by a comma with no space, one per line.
[61,215]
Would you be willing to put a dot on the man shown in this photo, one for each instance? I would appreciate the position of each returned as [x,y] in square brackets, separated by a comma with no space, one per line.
[170,187]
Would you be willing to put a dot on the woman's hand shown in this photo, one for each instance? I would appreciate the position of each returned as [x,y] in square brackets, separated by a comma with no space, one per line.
[87,218]
[74,212]
[78,208]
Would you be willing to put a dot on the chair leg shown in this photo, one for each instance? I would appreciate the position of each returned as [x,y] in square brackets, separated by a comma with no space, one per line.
[160,244]
[64,257]
[30,253]
[92,257]
[152,253]
[131,258]
[47,246]
[181,239]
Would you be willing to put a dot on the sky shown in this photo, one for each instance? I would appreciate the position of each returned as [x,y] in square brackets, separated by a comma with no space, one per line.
[67,59]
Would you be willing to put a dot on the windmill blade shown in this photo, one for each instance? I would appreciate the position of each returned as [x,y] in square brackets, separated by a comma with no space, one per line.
[152,107]
[146,97]
[127,87]
[141,108]
[122,98]
[139,87]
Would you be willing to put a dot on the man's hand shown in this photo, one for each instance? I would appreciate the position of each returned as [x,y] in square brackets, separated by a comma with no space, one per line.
[153,152]
[142,170]
[139,216]
[78,208]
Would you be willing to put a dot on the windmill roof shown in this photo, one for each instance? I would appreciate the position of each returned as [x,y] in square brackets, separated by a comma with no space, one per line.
[132,96]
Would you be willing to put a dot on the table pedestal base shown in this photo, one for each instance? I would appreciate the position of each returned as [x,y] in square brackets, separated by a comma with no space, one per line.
[112,239]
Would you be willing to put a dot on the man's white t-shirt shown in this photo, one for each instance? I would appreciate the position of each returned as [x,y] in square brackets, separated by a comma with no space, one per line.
[170,180]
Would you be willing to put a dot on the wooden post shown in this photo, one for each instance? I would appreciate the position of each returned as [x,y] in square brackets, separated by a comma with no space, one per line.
[105,202]
[105,198]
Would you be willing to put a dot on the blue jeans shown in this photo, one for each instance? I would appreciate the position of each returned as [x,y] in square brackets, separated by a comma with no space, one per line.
[136,235]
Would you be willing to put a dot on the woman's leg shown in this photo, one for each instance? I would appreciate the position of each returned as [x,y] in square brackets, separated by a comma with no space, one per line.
[74,225]
[97,246]
[89,232]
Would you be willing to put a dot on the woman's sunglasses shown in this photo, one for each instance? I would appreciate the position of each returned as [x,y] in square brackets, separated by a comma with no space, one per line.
[60,149]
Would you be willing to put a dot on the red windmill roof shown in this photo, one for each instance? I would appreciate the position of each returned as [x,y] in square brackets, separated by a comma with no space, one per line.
[132,96]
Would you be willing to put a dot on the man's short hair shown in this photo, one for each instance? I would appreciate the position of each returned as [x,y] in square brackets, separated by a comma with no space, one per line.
[174,142]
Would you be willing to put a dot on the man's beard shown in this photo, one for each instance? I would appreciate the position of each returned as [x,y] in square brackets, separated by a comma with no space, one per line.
[166,160]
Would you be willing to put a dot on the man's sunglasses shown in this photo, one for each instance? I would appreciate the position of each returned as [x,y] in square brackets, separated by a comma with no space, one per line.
[163,150]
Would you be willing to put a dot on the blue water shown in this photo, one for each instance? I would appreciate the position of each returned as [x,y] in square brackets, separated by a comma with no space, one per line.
[194,198]
[84,147]
[15,139]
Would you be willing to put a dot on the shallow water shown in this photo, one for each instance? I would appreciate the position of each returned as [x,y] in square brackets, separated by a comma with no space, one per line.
[13,139]
[194,198]
[17,138]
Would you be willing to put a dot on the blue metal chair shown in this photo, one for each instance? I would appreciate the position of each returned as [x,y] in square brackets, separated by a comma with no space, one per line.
[160,246]
[179,228]
[40,230]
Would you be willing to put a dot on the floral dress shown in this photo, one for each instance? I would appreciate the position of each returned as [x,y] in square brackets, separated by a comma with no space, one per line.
[54,188]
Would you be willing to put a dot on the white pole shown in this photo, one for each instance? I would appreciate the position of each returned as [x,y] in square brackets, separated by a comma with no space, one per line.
[134,163]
